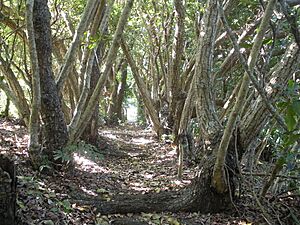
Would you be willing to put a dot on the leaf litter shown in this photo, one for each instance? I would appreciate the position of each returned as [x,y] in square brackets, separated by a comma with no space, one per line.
[133,162]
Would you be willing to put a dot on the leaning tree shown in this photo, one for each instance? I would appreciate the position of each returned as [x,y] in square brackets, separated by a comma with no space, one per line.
[223,142]
[169,72]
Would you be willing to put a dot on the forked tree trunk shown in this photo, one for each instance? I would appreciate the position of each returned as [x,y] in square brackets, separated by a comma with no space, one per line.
[201,195]
[7,191]
[111,56]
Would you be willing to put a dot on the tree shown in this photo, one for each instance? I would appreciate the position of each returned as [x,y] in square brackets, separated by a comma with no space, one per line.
[55,127]
[212,190]
[185,61]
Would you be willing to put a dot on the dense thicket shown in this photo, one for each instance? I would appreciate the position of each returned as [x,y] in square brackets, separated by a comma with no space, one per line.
[220,79]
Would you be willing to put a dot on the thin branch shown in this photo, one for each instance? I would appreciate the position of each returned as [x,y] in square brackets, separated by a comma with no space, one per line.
[292,20]
[253,79]
[70,56]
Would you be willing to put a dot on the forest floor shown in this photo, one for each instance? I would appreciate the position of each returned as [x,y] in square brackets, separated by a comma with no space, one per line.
[128,160]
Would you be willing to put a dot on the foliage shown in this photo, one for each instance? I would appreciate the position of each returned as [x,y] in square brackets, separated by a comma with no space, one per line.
[81,148]
[286,144]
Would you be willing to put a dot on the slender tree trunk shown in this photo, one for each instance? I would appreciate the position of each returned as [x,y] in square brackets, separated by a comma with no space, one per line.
[6,109]
[14,86]
[219,176]
[90,133]
[115,109]
[112,54]
[175,65]
[143,91]
[34,124]
[55,129]
[70,57]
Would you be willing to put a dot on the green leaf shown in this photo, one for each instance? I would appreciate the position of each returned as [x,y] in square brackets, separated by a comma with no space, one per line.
[282,105]
[290,119]
[292,138]
[291,85]
[296,107]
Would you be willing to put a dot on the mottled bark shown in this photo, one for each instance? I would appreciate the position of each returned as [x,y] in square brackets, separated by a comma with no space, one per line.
[55,129]
[90,133]
[115,109]
[8,183]
[176,61]
[112,54]
[206,112]
[219,176]
[34,123]
[70,56]
[258,115]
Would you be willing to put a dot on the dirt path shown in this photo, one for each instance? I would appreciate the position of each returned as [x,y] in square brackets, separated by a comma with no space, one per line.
[128,160]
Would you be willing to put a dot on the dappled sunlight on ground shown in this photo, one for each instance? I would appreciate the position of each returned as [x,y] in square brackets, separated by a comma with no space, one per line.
[13,136]
[88,165]
[132,162]
[141,141]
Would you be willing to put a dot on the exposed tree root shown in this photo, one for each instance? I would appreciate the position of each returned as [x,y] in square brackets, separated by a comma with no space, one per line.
[199,196]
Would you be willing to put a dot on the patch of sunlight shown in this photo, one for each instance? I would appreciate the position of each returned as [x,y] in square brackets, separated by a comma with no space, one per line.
[132,113]
[89,192]
[171,153]
[141,141]
[88,165]
[148,176]
[109,134]
[138,187]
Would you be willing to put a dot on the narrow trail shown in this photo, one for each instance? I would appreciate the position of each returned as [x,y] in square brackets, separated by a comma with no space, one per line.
[132,161]
[128,160]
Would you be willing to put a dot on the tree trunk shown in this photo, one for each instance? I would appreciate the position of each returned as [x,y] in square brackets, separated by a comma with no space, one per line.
[55,129]
[8,184]
[34,123]
[111,56]
[90,133]
[115,110]
[143,91]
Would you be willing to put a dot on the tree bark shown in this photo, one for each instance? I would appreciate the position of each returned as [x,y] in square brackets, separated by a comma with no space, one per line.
[70,57]
[257,115]
[206,112]
[115,109]
[8,185]
[34,123]
[55,129]
[112,54]
[219,176]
